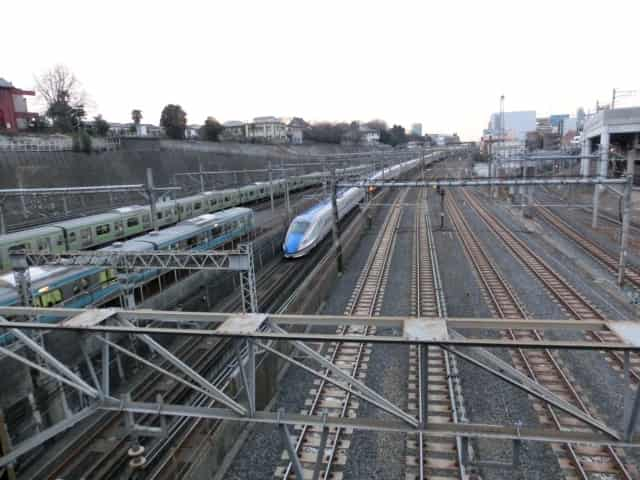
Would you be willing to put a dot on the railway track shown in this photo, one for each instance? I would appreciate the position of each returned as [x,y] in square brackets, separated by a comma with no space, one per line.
[632,274]
[351,357]
[431,457]
[575,305]
[576,461]
[111,458]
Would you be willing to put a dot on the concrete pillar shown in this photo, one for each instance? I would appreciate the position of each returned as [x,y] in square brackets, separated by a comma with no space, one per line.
[584,162]
[601,171]
[632,155]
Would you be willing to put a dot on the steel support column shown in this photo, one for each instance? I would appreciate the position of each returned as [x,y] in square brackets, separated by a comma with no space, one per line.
[291,450]
[626,222]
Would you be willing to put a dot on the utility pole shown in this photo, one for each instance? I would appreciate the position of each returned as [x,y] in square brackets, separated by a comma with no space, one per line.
[287,201]
[151,195]
[335,230]
[271,187]
[626,221]
[3,223]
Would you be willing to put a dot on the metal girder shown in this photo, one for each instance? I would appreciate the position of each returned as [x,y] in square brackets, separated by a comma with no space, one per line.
[395,411]
[43,436]
[361,390]
[397,322]
[509,374]
[479,182]
[189,372]
[231,260]
[448,430]
[326,337]
[71,378]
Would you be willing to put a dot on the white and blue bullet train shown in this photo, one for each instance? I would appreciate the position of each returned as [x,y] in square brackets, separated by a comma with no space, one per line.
[311,227]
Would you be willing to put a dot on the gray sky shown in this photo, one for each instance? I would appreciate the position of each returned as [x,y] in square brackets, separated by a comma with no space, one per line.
[443,63]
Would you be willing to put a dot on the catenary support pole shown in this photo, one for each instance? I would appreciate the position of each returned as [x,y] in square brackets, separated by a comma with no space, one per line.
[626,221]
[602,170]
[271,187]
[151,195]
[335,230]
[3,224]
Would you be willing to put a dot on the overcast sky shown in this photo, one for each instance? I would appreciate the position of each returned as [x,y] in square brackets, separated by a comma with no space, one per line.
[444,64]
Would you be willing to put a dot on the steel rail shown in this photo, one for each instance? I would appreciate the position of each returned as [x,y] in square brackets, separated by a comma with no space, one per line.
[505,303]
[428,302]
[591,247]
[365,300]
[573,302]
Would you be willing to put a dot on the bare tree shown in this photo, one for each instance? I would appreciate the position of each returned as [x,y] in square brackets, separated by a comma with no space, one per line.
[63,96]
[60,83]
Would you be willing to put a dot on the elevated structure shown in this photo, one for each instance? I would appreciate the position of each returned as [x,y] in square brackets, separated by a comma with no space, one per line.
[14,114]
[618,131]
[265,332]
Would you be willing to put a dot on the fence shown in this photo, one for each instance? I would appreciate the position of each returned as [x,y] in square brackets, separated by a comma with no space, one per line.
[54,144]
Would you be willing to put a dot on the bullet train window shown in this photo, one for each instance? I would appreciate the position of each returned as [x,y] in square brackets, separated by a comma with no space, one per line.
[299,227]
[103,229]
[159,215]
[226,199]
[85,234]
[197,206]
[72,237]
[118,226]
[217,230]
[133,222]
[60,241]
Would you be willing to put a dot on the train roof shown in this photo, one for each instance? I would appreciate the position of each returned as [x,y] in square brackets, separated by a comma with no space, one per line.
[193,225]
[309,215]
[90,220]
[131,209]
[28,234]
[36,273]
[134,245]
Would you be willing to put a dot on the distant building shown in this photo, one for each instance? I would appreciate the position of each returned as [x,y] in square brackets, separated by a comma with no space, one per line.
[192,132]
[369,136]
[266,130]
[442,139]
[14,114]
[516,125]
[233,131]
[416,129]
[132,130]
[295,130]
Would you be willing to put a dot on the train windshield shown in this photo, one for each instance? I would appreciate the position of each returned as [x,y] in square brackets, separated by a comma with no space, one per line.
[299,227]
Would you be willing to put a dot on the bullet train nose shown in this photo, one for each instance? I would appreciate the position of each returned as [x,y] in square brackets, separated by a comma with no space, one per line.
[292,243]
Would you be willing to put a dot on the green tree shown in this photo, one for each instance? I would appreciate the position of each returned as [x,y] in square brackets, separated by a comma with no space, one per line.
[136,116]
[174,121]
[396,135]
[211,130]
[64,98]
[81,142]
[100,126]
